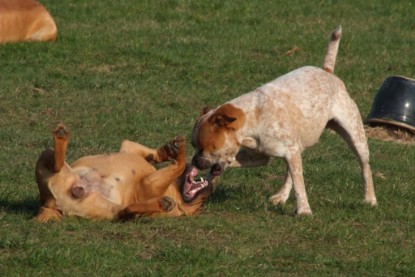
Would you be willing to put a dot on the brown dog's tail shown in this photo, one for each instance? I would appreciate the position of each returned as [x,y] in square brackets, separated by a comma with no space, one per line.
[330,60]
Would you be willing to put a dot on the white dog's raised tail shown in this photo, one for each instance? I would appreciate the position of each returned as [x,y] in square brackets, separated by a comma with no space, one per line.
[330,60]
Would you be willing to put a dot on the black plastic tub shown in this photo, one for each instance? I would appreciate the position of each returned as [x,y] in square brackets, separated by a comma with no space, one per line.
[394,103]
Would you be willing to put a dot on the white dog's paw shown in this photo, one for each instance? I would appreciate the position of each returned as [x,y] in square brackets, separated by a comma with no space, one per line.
[371,201]
[303,211]
[278,199]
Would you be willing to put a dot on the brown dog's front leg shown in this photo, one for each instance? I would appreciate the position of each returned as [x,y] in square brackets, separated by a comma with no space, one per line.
[156,184]
[164,153]
[48,214]
[155,206]
[61,137]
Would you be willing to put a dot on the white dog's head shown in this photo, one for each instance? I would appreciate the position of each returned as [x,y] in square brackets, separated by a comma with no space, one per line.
[214,137]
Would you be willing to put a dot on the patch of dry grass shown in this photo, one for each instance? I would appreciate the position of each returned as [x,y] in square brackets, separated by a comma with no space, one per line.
[388,132]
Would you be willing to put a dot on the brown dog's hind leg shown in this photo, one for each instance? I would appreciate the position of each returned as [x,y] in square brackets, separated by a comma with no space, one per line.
[61,137]
[49,164]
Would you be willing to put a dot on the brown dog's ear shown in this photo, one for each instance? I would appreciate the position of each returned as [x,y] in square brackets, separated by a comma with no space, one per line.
[205,110]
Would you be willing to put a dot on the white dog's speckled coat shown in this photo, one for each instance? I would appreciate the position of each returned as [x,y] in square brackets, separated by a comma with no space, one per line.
[281,119]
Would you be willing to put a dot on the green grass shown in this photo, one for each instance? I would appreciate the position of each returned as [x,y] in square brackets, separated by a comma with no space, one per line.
[143,70]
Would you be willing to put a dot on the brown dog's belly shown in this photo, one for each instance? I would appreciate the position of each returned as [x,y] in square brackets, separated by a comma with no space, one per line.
[114,175]
[101,185]
[90,180]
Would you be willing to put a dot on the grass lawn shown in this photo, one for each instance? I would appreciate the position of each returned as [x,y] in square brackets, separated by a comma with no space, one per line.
[143,70]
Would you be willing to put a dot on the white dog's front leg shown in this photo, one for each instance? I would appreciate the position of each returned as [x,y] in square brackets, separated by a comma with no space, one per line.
[296,170]
[282,195]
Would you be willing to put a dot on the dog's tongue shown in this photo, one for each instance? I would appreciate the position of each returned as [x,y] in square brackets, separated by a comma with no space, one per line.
[191,187]
[194,171]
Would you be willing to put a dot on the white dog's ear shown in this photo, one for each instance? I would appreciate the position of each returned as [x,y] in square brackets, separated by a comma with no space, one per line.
[227,116]
[221,120]
[205,110]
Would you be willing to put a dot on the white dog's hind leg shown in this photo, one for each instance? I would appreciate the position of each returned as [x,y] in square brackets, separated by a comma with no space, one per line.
[348,124]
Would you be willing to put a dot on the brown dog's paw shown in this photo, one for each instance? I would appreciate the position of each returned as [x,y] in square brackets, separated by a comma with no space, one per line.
[167,203]
[172,148]
[61,131]
[48,214]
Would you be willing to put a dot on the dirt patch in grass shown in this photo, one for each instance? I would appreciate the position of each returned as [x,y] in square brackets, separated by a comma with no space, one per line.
[390,133]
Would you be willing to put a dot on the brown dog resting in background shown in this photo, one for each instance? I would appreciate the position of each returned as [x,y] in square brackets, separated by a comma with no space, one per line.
[122,184]
[25,20]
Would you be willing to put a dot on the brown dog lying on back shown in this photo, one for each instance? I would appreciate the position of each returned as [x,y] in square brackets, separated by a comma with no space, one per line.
[25,20]
[122,184]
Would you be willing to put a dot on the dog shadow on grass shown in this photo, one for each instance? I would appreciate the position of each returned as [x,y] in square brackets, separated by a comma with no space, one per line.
[247,200]
[27,207]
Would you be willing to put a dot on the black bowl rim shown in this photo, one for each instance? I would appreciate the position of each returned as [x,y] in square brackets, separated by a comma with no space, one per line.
[391,122]
[399,77]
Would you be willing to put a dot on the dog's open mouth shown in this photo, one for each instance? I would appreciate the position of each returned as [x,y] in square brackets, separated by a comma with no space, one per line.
[193,184]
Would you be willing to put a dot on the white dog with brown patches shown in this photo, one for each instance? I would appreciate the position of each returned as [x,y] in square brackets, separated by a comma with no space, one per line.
[281,119]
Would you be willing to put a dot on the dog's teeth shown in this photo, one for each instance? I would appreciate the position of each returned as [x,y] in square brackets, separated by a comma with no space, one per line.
[201,179]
